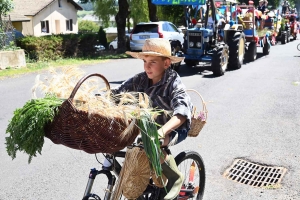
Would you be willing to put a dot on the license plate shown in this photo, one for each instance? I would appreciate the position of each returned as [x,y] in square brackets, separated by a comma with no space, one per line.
[144,36]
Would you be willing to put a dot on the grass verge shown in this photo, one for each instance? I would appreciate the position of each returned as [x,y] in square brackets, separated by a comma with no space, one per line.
[38,66]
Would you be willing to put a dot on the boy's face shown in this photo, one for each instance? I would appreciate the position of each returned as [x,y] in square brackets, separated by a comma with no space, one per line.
[155,67]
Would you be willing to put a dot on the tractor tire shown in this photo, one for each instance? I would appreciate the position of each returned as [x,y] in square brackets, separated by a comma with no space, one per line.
[236,46]
[266,48]
[288,35]
[220,59]
[251,52]
[283,37]
[190,63]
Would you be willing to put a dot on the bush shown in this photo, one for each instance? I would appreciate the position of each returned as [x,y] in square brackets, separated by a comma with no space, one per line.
[54,47]
[102,37]
[87,26]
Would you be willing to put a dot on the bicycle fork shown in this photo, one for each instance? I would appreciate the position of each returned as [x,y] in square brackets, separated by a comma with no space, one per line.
[111,182]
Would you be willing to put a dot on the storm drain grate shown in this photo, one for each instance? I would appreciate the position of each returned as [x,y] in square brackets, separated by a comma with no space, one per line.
[253,174]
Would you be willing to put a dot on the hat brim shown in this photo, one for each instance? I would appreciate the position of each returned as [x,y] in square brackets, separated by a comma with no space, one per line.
[141,55]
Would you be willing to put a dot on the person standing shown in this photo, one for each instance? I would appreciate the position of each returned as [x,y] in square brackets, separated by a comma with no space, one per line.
[285,6]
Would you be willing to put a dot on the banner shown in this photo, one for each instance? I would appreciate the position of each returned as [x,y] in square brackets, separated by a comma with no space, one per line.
[178,2]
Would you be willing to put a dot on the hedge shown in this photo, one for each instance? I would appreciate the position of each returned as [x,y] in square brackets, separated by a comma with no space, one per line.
[53,47]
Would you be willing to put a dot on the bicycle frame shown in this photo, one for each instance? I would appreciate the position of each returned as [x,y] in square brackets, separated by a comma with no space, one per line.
[187,191]
[111,178]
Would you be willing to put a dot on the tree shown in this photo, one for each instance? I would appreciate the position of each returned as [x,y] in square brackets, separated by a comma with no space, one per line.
[174,14]
[5,7]
[138,11]
[121,24]
[87,26]
[120,8]
[152,11]
[102,37]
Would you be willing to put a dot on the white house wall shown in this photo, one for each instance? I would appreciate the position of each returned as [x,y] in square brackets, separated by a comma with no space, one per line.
[52,13]
[27,27]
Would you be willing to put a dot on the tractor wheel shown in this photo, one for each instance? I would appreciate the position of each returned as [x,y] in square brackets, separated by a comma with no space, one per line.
[236,46]
[251,53]
[219,59]
[266,48]
[288,35]
[190,63]
[283,38]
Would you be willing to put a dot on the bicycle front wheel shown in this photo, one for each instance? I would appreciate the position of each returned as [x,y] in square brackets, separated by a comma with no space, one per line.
[191,165]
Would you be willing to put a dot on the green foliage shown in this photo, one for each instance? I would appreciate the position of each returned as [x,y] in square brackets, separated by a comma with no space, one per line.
[6,6]
[102,37]
[11,47]
[26,128]
[173,14]
[53,47]
[87,26]
[150,141]
[138,11]
[104,9]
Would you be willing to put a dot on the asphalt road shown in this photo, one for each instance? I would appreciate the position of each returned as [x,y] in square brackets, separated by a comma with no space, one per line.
[254,114]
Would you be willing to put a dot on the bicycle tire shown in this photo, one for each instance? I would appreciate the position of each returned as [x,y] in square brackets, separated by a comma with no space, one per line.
[93,196]
[199,161]
[298,47]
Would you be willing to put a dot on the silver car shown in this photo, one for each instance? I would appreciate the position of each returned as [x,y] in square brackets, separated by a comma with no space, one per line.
[146,30]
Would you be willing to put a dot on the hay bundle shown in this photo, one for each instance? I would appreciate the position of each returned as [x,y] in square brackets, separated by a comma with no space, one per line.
[61,84]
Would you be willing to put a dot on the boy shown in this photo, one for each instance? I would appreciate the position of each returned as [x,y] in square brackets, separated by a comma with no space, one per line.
[166,91]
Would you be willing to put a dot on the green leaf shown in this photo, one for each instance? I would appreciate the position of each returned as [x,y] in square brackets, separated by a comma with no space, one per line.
[26,128]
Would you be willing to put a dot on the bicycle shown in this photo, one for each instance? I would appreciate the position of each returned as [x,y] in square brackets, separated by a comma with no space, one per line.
[298,47]
[190,188]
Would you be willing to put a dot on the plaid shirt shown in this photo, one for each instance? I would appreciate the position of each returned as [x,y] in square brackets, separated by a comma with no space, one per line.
[168,94]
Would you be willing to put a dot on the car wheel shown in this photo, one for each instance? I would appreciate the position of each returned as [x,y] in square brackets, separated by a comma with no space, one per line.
[111,48]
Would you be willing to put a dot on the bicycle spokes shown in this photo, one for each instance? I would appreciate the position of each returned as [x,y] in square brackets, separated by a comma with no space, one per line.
[192,172]
[190,188]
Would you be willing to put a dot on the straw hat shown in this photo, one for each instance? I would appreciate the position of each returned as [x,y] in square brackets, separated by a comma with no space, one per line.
[156,47]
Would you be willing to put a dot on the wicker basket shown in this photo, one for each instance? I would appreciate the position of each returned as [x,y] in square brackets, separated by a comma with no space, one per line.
[93,134]
[197,124]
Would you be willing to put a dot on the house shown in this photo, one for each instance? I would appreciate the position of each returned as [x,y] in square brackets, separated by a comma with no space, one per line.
[43,17]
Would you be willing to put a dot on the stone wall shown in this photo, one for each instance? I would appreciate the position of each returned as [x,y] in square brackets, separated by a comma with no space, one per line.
[13,59]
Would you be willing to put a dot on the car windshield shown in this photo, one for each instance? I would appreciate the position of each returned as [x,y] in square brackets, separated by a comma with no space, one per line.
[147,28]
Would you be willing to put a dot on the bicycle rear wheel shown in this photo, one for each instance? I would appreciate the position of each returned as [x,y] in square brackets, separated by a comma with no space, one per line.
[191,165]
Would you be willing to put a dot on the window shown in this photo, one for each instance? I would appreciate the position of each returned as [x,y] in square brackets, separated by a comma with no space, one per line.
[165,27]
[146,28]
[59,3]
[173,28]
[45,26]
[69,25]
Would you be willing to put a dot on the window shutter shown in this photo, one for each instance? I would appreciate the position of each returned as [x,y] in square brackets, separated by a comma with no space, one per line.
[67,25]
[47,26]
[71,25]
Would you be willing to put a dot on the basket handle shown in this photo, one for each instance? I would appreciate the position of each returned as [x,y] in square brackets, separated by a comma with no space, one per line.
[203,103]
[83,79]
